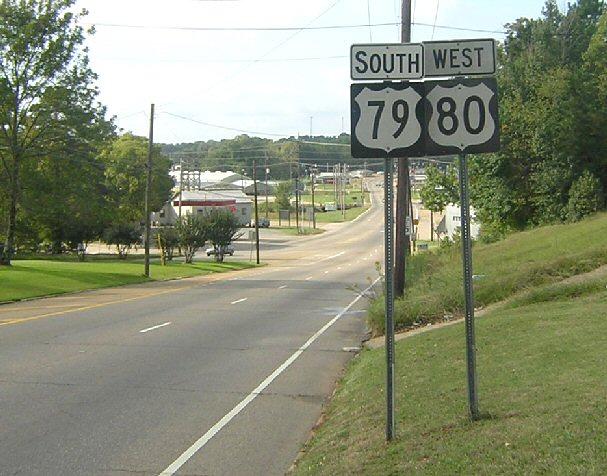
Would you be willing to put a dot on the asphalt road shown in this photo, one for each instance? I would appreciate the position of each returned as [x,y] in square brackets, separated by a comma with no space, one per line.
[214,375]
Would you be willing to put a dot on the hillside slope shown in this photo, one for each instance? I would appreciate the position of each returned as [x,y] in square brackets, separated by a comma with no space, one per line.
[541,367]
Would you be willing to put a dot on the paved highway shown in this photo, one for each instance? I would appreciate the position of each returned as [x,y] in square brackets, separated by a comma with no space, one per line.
[211,375]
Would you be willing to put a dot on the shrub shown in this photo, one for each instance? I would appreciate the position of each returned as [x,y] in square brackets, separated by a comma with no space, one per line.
[168,240]
[585,197]
[192,234]
[222,227]
[123,236]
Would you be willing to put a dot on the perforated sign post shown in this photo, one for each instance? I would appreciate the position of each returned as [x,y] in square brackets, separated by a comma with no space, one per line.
[415,119]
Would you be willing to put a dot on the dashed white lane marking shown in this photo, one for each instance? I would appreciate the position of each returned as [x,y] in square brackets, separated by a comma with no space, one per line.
[282,287]
[326,272]
[143,331]
[329,257]
[308,278]
[216,428]
[339,267]
[239,300]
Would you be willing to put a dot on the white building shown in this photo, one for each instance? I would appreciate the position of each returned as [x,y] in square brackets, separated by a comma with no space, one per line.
[200,201]
[452,221]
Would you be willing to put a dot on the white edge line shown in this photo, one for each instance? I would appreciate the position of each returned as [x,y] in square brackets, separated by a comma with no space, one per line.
[155,327]
[282,287]
[216,428]
[239,300]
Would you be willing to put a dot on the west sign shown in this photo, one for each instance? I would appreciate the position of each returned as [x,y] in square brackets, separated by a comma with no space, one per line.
[459,58]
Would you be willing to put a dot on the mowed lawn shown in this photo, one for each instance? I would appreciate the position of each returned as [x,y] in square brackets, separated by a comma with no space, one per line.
[542,392]
[34,278]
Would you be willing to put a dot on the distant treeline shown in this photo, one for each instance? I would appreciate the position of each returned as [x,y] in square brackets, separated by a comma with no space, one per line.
[281,156]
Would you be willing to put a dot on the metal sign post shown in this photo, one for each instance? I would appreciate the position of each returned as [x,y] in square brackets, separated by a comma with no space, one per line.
[468,290]
[389,265]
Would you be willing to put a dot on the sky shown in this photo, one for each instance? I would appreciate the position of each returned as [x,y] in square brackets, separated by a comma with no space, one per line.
[219,84]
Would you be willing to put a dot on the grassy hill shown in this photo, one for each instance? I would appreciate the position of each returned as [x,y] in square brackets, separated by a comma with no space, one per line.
[541,368]
[523,261]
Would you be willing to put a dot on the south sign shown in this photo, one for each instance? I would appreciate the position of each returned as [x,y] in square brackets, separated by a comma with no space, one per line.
[386,61]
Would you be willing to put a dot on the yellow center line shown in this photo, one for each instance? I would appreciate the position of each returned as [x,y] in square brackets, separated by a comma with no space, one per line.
[92,306]
[29,308]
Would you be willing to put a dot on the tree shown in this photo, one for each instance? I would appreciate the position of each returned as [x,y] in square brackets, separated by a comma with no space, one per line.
[585,197]
[168,240]
[192,232]
[284,192]
[223,228]
[552,117]
[438,191]
[123,236]
[47,97]
[125,161]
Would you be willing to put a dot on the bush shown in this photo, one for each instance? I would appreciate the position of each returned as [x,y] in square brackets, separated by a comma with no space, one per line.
[222,228]
[192,234]
[585,197]
[284,191]
[124,236]
[168,240]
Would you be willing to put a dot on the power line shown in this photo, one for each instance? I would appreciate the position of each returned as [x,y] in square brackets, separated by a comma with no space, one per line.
[202,61]
[298,29]
[244,131]
[369,21]
[435,17]
[244,28]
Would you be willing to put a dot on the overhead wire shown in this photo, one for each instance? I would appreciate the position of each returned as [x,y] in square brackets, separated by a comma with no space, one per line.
[435,18]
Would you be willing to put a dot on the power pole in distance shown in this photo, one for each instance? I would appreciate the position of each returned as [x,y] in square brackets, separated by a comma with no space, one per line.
[267,172]
[148,189]
[402,191]
[180,183]
[256,211]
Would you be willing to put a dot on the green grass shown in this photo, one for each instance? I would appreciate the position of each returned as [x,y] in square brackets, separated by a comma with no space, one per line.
[352,197]
[34,278]
[542,387]
[337,216]
[522,261]
[303,231]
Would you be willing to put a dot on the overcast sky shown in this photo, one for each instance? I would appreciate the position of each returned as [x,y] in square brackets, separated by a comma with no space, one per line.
[264,82]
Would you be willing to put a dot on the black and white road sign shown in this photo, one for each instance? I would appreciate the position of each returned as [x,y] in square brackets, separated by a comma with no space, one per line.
[459,58]
[461,116]
[387,119]
[386,61]
[432,118]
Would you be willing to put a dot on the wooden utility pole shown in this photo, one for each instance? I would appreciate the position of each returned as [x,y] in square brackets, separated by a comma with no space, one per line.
[148,189]
[256,211]
[402,242]
[267,172]
[312,176]
[180,183]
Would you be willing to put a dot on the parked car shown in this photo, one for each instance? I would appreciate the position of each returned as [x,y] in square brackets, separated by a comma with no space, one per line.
[263,223]
[227,250]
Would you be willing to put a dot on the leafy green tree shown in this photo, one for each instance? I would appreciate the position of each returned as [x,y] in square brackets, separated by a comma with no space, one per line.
[192,233]
[585,197]
[47,96]
[440,189]
[222,228]
[168,240]
[284,192]
[552,116]
[125,161]
[123,236]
